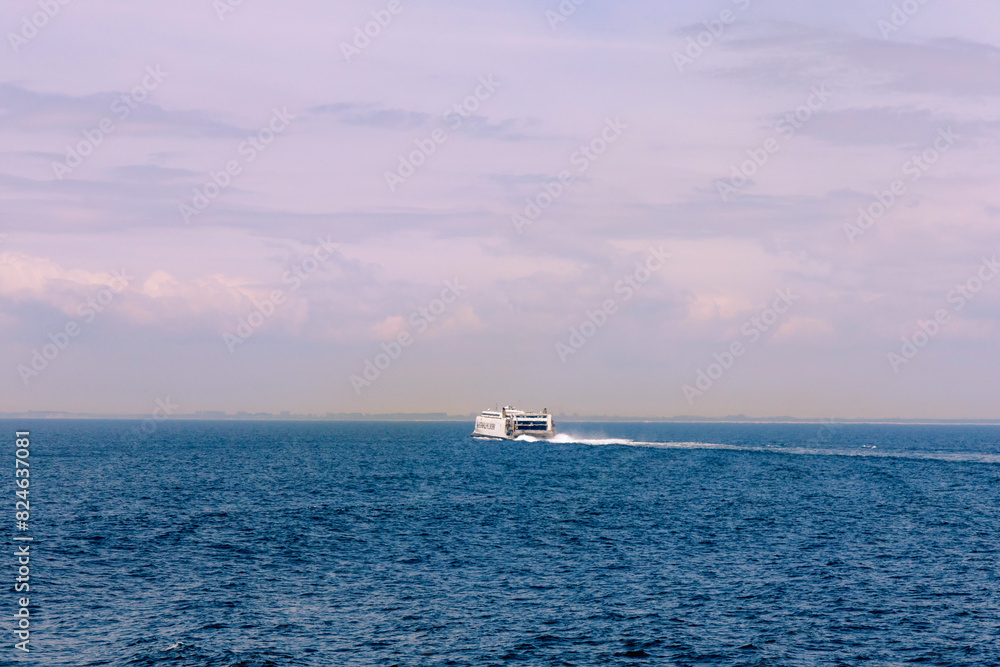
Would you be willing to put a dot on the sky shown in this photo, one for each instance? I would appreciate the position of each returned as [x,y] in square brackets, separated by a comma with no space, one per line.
[639,209]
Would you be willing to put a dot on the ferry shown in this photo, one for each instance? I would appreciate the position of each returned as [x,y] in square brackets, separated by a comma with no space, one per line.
[508,423]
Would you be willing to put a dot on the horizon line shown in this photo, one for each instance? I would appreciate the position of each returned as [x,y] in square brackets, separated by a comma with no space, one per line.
[219,415]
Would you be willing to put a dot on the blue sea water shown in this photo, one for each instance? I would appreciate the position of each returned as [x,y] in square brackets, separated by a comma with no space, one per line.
[254,544]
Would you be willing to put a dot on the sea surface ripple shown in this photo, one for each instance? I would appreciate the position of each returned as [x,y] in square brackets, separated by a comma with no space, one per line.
[253,544]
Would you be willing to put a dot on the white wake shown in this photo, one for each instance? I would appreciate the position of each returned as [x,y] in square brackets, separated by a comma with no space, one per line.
[866,450]
[570,439]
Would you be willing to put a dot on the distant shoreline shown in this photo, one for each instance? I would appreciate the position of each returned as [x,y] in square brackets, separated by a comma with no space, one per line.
[443,417]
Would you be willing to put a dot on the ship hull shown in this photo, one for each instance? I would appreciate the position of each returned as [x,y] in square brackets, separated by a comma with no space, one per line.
[491,427]
[510,424]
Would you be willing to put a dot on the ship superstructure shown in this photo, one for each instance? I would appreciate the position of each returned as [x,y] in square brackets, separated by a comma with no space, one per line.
[509,422]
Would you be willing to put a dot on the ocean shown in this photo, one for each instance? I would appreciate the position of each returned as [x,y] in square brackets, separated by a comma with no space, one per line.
[255,544]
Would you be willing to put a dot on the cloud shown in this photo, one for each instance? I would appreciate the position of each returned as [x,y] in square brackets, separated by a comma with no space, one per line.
[25,278]
[26,110]
[798,327]
[796,56]
[370,115]
[880,126]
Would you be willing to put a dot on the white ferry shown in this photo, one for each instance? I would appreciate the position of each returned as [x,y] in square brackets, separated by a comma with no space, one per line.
[508,423]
